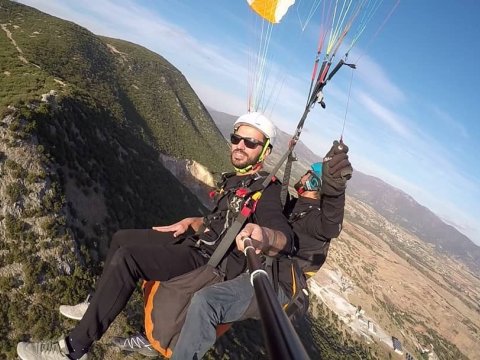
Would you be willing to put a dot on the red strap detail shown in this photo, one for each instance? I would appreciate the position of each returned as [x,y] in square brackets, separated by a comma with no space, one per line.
[246,211]
[211,194]
[254,207]
[222,329]
[257,166]
[241,192]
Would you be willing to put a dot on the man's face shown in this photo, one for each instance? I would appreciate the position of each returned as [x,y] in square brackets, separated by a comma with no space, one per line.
[242,155]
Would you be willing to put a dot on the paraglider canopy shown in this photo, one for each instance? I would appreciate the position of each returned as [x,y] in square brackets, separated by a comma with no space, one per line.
[271,10]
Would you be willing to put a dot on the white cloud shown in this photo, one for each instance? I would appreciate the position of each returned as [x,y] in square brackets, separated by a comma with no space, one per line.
[376,79]
[218,98]
[450,122]
[382,113]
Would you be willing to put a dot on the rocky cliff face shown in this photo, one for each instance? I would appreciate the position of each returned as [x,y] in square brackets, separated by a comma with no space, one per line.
[193,175]
[30,200]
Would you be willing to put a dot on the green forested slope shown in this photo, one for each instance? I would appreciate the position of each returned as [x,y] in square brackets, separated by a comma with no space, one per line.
[79,159]
[178,121]
[139,87]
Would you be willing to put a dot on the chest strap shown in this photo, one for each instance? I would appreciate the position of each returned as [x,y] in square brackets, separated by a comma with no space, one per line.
[247,209]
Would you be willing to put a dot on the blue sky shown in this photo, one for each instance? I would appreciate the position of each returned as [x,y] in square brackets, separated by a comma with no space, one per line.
[412,118]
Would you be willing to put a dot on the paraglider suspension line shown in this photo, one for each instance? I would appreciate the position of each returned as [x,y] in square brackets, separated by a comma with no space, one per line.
[348,103]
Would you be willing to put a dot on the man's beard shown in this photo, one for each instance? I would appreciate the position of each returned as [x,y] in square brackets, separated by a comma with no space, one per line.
[243,164]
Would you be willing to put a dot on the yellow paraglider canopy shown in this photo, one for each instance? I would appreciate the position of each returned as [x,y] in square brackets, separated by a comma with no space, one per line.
[271,10]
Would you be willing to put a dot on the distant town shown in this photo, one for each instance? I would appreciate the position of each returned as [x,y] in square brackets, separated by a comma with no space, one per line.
[331,288]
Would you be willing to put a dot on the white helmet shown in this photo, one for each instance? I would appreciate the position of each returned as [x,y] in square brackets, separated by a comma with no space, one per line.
[259,122]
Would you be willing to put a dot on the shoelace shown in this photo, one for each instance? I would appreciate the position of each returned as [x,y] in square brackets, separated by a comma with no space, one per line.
[50,347]
[135,341]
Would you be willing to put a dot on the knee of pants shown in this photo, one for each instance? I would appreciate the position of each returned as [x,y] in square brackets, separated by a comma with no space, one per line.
[200,299]
[124,265]
[120,256]
[202,305]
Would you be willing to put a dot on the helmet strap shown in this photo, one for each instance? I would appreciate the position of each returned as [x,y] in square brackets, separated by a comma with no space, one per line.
[259,161]
[264,150]
[244,170]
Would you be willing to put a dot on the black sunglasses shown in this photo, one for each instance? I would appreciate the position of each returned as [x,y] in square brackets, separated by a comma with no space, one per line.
[249,142]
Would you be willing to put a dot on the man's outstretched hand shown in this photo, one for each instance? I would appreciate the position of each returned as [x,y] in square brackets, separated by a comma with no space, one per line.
[181,227]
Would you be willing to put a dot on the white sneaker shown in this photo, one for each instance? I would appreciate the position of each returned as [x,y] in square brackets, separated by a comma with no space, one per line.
[75,312]
[51,350]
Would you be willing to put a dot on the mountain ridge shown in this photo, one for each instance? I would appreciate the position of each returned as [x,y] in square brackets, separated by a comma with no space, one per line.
[404,210]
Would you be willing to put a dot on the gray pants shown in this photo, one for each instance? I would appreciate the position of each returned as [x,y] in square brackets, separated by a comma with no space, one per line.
[219,303]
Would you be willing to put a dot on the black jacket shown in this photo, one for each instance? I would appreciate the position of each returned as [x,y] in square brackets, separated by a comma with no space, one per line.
[268,213]
[314,222]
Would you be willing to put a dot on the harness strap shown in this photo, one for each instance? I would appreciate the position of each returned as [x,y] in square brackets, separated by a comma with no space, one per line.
[248,208]
[298,302]
[271,264]
[286,178]
[256,189]
[227,240]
